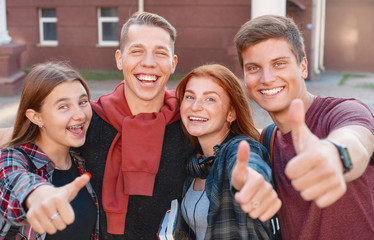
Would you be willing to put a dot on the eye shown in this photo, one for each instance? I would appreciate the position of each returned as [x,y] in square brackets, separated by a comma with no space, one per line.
[252,69]
[162,53]
[188,97]
[64,106]
[136,51]
[210,99]
[83,102]
[279,64]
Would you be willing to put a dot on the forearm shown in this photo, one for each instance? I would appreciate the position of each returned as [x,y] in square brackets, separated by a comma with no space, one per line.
[360,143]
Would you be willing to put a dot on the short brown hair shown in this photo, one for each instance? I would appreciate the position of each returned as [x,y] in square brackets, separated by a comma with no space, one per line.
[267,27]
[151,19]
[40,82]
[239,101]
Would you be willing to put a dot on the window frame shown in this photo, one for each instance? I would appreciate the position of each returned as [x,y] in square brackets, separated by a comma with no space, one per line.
[43,20]
[100,21]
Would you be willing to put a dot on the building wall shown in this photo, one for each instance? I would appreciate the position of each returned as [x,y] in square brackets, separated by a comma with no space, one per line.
[349,36]
[205,31]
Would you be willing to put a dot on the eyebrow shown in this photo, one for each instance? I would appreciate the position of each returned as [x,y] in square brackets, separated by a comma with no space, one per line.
[273,60]
[205,93]
[138,45]
[67,99]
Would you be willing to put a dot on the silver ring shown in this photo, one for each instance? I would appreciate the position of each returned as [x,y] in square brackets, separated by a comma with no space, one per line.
[256,204]
[53,217]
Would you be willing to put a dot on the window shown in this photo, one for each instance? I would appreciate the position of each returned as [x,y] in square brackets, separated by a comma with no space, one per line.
[48,26]
[108,26]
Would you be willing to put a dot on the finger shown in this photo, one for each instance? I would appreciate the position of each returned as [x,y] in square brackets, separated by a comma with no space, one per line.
[313,176]
[74,187]
[34,222]
[324,187]
[331,197]
[66,213]
[299,165]
[249,189]
[58,222]
[263,197]
[271,210]
[239,173]
[300,131]
[43,218]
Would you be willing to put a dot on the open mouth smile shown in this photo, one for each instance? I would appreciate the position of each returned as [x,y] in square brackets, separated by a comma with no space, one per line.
[76,129]
[147,78]
[270,92]
[200,119]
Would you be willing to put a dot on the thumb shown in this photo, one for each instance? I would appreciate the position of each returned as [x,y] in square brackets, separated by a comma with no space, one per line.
[300,131]
[75,186]
[239,173]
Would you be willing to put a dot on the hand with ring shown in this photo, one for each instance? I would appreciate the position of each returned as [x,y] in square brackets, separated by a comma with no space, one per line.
[49,208]
[54,216]
[255,195]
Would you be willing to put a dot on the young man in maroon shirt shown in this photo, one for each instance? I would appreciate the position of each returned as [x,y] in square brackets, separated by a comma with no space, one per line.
[323,148]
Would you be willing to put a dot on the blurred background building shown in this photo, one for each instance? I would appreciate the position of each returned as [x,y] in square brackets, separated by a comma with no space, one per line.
[338,33]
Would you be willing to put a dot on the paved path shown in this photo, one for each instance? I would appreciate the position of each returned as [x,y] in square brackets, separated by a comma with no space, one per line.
[326,84]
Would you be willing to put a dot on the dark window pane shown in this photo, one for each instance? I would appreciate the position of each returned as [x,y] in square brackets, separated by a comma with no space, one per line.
[110,31]
[108,12]
[50,32]
[48,12]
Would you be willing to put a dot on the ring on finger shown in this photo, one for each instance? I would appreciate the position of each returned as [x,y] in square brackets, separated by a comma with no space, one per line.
[256,204]
[53,217]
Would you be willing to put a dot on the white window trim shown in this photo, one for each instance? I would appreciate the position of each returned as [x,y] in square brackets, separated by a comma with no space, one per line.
[101,20]
[43,20]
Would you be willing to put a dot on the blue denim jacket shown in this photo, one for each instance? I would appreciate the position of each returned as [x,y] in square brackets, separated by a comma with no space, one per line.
[226,220]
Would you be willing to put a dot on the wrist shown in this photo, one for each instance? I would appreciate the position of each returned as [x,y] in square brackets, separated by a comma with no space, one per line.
[343,154]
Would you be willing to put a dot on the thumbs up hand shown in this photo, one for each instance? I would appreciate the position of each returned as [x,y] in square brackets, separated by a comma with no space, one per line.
[255,195]
[316,170]
[49,207]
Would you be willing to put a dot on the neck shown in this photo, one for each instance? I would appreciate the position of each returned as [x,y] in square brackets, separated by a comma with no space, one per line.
[207,143]
[281,119]
[138,105]
[59,155]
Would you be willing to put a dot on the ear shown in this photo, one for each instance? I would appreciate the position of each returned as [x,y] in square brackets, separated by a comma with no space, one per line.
[118,56]
[231,116]
[34,117]
[304,68]
[174,63]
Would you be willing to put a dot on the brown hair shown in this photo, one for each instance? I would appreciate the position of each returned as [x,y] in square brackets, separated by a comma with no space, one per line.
[243,125]
[146,18]
[40,81]
[267,27]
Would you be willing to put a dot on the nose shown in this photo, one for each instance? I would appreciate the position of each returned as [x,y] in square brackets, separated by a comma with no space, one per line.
[78,113]
[267,75]
[197,105]
[148,60]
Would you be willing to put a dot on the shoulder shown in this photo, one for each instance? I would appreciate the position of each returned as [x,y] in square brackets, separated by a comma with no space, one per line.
[329,113]
[233,143]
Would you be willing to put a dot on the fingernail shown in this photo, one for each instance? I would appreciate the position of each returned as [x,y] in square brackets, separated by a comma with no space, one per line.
[88,174]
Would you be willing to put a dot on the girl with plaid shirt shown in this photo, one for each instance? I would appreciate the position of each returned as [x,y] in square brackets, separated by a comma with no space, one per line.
[44,188]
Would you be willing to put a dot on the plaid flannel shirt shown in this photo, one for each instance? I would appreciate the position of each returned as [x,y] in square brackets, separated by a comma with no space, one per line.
[226,220]
[18,182]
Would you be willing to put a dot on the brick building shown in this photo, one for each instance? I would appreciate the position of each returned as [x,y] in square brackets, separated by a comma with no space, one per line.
[86,31]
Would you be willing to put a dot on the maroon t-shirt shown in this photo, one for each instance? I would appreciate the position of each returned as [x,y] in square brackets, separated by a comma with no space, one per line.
[352,216]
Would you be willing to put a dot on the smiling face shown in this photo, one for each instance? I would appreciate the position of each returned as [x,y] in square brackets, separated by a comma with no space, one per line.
[64,117]
[147,60]
[273,76]
[206,111]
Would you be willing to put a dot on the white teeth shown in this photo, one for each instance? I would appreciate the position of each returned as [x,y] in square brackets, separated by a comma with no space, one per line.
[143,77]
[76,126]
[271,91]
[198,119]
